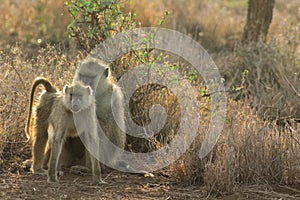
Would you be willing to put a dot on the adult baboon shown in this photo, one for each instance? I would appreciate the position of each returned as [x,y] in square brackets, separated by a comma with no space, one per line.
[89,71]
[112,124]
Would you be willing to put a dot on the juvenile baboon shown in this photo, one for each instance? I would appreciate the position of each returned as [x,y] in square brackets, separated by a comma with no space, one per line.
[73,152]
[75,102]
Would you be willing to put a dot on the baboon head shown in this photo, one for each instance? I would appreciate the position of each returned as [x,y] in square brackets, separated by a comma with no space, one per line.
[77,97]
[90,71]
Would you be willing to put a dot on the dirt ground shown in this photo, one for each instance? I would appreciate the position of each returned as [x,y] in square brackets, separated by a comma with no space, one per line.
[118,186]
[24,185]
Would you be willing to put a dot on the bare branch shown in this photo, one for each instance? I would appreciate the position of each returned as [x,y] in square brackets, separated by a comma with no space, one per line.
[298,94]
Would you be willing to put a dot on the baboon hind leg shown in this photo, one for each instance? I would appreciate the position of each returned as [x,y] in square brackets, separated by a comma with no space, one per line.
[38,150]
[39,129]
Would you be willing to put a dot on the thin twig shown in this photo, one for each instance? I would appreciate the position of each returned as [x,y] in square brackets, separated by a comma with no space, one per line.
[298,94]
[22,81]
[292,136]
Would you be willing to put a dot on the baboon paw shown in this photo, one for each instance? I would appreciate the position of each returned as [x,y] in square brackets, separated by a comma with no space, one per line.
[38,172]
[52,180]
[60,173]
[78,169]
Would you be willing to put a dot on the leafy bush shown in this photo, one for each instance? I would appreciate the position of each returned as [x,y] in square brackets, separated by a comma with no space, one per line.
[96,20]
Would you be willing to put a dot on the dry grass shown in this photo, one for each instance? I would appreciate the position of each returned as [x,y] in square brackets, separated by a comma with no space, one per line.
[251,151]
[33,22]
[214,24]
[260,73]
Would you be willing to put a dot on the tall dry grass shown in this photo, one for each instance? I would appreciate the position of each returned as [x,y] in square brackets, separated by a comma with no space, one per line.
[267,74]
[250,151]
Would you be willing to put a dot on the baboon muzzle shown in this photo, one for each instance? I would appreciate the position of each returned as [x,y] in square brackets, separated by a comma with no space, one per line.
[75,106]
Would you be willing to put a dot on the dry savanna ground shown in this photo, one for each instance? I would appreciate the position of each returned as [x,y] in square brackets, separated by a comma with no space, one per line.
[257,155]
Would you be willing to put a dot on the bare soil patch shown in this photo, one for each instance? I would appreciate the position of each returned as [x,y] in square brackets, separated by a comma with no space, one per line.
[123,186]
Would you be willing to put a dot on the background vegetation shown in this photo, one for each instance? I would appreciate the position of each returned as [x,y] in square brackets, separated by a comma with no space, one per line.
[259,145]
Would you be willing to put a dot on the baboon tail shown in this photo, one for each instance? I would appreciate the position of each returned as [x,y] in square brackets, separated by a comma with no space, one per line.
[45,82]
[49,88]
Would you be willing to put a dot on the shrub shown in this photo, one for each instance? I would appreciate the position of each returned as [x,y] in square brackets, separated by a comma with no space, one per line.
[96,20]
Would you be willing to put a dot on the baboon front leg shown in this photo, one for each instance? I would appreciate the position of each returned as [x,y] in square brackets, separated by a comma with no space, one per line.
[56,146]
[96,170]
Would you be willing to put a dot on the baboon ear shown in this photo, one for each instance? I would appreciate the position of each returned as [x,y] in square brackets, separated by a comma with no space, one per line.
[66,88]
[106,72]
[89,90]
